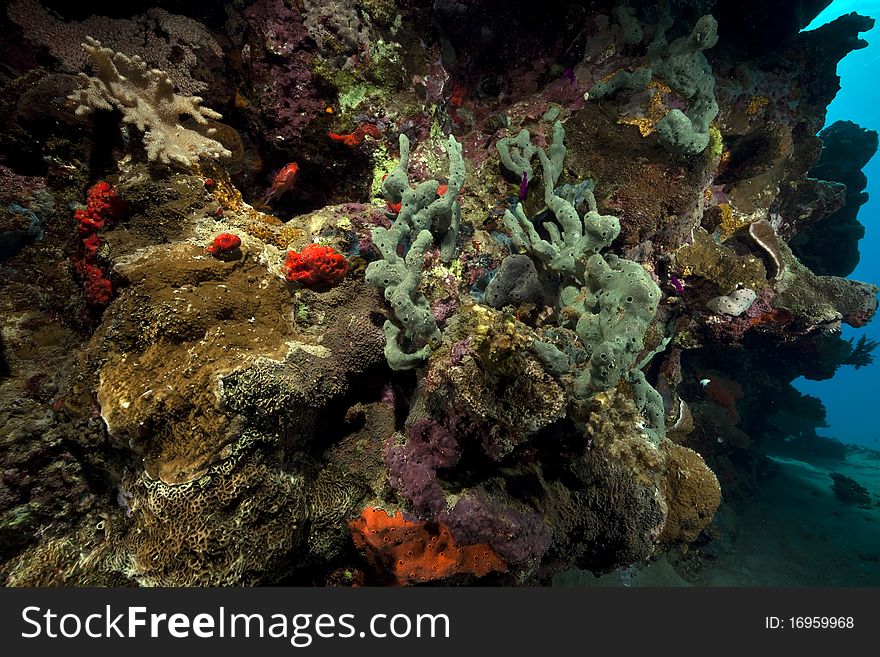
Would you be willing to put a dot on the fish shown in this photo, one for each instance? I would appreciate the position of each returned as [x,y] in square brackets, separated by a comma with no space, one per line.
[677,285]
[725,392]
[284,180]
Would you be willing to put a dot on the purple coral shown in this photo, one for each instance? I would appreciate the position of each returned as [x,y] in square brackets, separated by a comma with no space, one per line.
[517,534]
[412,467]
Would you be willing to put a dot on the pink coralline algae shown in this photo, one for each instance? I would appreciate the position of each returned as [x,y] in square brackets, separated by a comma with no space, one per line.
[443,310]
[277,59]
[460,349]
[16,187]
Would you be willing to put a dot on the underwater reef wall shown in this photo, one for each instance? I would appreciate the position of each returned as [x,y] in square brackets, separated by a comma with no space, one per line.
[342,294]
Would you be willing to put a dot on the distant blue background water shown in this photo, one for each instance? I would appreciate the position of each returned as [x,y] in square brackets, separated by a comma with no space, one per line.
[851,397]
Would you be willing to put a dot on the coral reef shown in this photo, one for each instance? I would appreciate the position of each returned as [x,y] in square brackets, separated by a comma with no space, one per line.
[829,246]
[512,311]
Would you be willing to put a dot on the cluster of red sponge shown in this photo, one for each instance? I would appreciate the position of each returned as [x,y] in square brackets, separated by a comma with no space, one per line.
[103,207]
[412,552]
[315,266]
[356,138]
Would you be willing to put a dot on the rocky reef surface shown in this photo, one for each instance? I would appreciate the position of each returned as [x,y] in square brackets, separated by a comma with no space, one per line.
[400,293]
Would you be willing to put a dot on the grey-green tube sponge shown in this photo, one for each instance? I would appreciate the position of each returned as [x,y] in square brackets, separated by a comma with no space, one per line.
[397,358]
[423,208]
[607,300]
[579,238]
[686,70]
[400,277]
[425,214]
[613,311]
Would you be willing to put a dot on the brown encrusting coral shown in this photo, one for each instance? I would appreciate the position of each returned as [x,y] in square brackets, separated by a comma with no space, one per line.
[692,495]
[183,321]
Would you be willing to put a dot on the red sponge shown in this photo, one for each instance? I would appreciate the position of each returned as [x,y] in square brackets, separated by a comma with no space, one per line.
[412,552]
[315,266]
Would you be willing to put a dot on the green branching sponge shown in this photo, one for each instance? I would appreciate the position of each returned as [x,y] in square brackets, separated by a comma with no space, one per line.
[686,70]
[630,80]
[396,183]
[648,401]
[566,250]
[612,310]
[517,153]
[630,29]
[400,277]
[424,213]
[608,301]
[423,208]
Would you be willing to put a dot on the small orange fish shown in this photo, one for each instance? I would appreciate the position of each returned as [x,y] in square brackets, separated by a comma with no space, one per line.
[458,95]
[725,392]
[283,181]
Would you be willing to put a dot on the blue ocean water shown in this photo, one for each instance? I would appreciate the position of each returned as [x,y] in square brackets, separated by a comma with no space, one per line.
[851,396]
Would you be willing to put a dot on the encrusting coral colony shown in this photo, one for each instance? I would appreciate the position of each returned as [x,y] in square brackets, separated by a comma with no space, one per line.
[507,314]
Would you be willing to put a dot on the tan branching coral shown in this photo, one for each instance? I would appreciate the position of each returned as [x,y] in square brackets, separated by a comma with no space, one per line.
[147,100]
